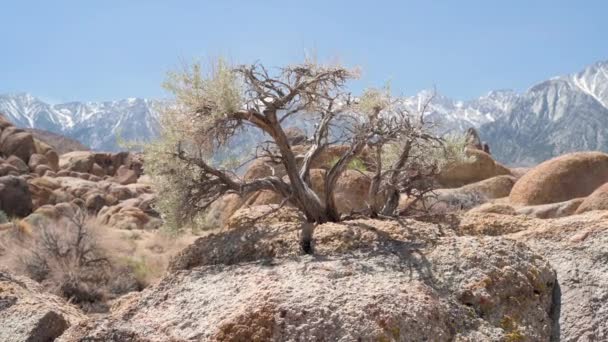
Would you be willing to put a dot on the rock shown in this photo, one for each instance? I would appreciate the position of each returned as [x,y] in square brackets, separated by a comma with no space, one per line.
[95,201]
[263,214]
[472,139]
[135,213]
[14,141]
[494,224]
[442,201]
[8,169]
[19,164]
[15,196]
[97,170]
[480,166]
[563,178]
[576,246]
[27,313]
[494,208]
[79,161]
[42,170]
[37,160]
[125,176]
[295,136]
[369,280]
[598,200]
[551,210]
[491,188]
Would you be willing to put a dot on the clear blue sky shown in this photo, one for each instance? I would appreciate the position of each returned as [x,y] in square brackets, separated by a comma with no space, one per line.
[98,50]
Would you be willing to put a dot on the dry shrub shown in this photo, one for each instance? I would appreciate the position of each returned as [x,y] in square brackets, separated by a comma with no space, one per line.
[85,262]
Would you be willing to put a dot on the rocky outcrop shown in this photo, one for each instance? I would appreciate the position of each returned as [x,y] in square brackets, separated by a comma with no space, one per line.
[491,188]
[560,179]
[551,210]
[15,196]
[478,167]
[598,200]
[576,247]
[27,313]
[102,164]
[369,280]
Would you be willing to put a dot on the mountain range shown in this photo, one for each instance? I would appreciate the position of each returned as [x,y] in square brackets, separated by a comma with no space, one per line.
[563,114]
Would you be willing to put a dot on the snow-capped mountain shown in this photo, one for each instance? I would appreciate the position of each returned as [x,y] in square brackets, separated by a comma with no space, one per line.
[563,114]
[98,125]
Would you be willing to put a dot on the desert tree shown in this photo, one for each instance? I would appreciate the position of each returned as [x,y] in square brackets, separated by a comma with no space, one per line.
[211,106]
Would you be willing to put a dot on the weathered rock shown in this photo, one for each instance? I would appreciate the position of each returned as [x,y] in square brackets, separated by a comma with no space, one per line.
[8,169]
[15,196]
[125,176]
[551,210]
[18,163]
[14,141]
[37,160]
[480,166]
[369,281]
[491,188]
[576,246]
[79,161]
[472,139]
[27,313]
[598,200]
[494,208]
[563,178]
[135,213]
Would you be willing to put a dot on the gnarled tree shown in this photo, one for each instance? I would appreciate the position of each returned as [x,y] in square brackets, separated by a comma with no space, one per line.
[211,108]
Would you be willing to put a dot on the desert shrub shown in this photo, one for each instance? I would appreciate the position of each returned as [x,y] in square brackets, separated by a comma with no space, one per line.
[3,217]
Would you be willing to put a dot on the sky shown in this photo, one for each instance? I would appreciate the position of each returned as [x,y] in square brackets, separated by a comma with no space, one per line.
[94,50]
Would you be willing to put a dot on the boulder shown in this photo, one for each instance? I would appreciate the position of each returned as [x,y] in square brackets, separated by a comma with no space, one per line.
[28,313]
[125,176]
[14,141]
[478,167]
[473,141]
[15,196]
[494,208]
[8,169]
[576,246]
[598,200]
[491,188]
[560,179]
[551,210]
[79,161]
[368,281]
[37,160]
[18,163]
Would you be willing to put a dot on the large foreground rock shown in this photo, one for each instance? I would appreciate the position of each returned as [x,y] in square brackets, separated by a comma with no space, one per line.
[368,281]
[576,246]
[560,179]
[27,313]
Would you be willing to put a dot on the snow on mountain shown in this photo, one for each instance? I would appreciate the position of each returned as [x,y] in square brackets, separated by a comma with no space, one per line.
[95,124]
[562,114]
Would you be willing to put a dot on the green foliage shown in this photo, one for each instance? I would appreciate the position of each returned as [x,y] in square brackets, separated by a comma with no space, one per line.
[373,100]
[355,164]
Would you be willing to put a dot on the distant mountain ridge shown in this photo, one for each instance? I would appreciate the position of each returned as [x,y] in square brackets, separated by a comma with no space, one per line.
[563,114]
[94,124]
